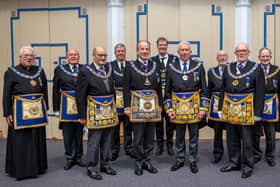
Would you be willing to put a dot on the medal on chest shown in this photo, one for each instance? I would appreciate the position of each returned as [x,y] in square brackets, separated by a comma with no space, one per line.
[32,83]
[235,83]
[185,77]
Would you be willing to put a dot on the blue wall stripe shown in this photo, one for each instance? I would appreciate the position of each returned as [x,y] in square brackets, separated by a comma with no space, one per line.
[221,24]
[49,9]
[137,21]
[265,22]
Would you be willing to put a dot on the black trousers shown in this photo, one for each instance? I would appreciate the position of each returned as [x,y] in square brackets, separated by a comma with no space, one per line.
[143,142]
[240,140]
[127,133]
[181,144]
[169,130]
[269,132]
[73,140]
[99,141]
[218,149]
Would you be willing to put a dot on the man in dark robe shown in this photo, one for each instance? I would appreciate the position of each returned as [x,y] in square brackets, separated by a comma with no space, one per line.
[26,144]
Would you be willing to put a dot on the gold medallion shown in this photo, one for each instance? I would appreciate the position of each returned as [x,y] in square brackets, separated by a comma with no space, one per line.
[163,75]
[235,83]
[32,82]
[148,105]
[185,77]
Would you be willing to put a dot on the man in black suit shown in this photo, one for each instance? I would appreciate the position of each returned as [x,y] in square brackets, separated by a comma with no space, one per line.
[142,99]
[186,102]
[96,109]
[64,84]
[118,67]
[164,59]
[242,102]
[214,88]
[271,112]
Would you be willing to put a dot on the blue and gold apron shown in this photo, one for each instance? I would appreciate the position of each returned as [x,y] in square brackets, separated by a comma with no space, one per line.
[119,100]
[238,109]
[214,106]
[29,111]
[68,108]
[144,106]
[271,112]
[186,106]
[101,112]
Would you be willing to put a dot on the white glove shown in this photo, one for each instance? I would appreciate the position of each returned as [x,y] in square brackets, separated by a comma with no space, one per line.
[56,113]
[220,114]
[85,130]
[257,118]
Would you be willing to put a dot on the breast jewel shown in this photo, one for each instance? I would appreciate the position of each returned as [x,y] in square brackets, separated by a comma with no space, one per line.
[235,82]
[146,73]
[30,77]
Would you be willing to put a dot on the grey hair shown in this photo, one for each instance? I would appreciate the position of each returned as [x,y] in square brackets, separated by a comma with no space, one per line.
[184,42]
[26,47]
[119,45]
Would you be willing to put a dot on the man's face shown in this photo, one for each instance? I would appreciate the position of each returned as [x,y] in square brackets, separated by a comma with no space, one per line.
[100,56]
[162,47]
[120,54]
[184,52]
[265,57]
[143,50]
[242,52]
[73,57]
[222,58]
[27,58]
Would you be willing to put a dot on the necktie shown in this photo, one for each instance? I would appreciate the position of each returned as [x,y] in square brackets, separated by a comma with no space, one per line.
[185,68]
[240,66]
[122,66]
[265,71]
[162,61]
[75,69]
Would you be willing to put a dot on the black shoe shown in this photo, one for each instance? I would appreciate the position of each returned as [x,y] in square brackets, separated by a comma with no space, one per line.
[114,156]
[138,170]
[177,166]
[149,167]
[216,160]
[271,162]
[193,167]
[257,159]
[94,175]
[130,153]
[108,170]
[170,150]
[246,174]
[81,162]
[229,167]
[69,164]
[159,150]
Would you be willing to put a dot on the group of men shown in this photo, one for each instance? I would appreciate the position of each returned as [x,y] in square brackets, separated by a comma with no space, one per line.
[144,96]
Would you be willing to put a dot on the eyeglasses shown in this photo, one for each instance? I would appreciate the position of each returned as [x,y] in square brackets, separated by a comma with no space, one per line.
[242,51]
[73,54]
[102,55]
[27,55]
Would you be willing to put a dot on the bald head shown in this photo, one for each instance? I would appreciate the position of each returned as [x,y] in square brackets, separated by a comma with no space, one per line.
[99,56]
[222,57]
[242,52]
[73,56]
